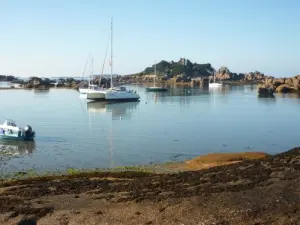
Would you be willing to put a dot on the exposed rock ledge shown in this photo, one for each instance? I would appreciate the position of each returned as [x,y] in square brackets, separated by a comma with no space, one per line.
[283,85]
[260,191]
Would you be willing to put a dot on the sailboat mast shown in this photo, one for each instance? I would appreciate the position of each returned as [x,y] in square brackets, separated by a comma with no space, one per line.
[154,73]
[111,54]
[104,61]
[90,68]
[84,69]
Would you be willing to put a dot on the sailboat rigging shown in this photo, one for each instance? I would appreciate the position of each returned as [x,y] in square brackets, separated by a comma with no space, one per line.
[214,84]
[113,93]
[154,88]
[91,86]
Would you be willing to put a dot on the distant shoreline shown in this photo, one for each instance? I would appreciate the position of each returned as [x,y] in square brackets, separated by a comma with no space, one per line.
[145,83]
[29,89]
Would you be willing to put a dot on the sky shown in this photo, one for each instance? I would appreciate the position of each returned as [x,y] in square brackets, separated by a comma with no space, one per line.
[49,38]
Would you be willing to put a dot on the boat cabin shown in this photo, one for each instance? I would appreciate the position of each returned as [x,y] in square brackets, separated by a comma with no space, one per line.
[10,123]
[94,87]
[119,88]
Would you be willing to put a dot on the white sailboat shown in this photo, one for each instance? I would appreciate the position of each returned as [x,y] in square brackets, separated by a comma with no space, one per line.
[113,93]
[214,84]
[90,86]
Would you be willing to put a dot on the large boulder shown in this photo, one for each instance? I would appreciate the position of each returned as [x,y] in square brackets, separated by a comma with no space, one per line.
[223,74]
[289,81]
[181,78]
[284,88]
[283,85]
[278,81]
[295,81]
[265,90]
[269,81]
[254,76]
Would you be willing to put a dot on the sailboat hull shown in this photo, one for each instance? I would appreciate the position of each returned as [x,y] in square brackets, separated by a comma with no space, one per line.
[116,100]
[113,96]
[95,95]
[83,90]
[214,85]
[156,89]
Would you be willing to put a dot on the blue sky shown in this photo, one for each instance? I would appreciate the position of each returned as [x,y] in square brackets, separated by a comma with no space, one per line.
[54,37]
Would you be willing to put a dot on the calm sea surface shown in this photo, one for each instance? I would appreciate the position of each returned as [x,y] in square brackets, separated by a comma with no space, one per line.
[175,125]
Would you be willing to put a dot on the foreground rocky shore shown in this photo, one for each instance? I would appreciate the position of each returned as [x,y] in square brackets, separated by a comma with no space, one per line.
[250,190]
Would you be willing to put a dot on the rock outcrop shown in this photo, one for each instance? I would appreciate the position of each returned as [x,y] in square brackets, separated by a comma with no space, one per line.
[37,82]
[223,74]
[255,76]
[282,85]
[259,189]
[46,83]
[265,91]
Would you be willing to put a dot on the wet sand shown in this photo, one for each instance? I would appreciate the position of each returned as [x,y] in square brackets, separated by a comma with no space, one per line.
[248,190]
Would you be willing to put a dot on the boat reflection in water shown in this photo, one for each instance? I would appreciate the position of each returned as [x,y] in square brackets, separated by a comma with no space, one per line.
[118,110]
[41,91]
[13,148]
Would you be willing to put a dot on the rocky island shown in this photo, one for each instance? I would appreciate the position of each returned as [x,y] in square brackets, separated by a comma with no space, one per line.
[184,72]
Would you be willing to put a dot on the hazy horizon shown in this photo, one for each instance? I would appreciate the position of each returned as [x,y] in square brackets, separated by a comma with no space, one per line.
[54,38]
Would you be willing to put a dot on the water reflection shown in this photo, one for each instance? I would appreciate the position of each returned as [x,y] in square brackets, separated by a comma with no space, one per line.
[220,90]
[5,84]
[12,148]
[243,88]
[173,94]
[188,91]
[288,95]
[184,95]
[41,91]
[291,96]
[111,147]
[267,100]
[117,110]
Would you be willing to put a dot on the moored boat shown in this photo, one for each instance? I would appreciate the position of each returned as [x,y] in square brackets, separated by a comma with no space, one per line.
[214,84]
[10,130]
[115,94]
[154,88]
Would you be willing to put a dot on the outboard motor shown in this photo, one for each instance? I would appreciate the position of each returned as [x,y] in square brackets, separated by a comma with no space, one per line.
[29,133]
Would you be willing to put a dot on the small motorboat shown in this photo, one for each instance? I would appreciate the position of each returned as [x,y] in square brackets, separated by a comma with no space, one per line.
[10,130]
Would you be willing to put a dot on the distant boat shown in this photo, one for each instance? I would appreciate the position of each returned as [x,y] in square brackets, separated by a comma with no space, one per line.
[116,94]
[154,88]
[214,84]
